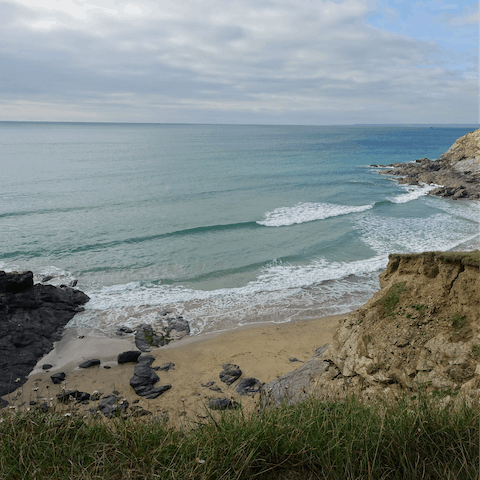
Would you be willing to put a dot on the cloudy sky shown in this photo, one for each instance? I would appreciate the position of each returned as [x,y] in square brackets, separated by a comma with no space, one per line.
[318,62]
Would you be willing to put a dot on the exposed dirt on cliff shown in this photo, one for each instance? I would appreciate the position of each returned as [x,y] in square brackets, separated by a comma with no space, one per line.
[465,148]
[419,331]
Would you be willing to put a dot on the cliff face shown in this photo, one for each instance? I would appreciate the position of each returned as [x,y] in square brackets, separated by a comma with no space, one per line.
[465,152]
[419,330]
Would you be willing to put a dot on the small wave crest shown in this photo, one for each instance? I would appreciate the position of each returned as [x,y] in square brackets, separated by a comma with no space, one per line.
[308,212]
[414,192]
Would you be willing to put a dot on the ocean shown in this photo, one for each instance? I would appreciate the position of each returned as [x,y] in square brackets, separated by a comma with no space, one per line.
[225,225]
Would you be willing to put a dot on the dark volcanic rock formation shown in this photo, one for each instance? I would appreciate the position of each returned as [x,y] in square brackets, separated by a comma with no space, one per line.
[32,317]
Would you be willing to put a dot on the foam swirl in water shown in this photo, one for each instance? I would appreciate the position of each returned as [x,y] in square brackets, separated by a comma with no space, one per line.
[308,212]
[414,192]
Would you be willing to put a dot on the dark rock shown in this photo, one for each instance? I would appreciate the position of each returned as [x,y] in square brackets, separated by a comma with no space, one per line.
[15,282]
[249,386]
[123,331]
[145,338]
[215,388]
[167,366]
[90,363]
[69,395]
[46,366]
[139,412]
[113,404]
[81,336]
[33,402]
[230,373]
[73,283]
[179,324]
[222,404]
[58,377]
[128,357]
[144,379]
[156,392]
[3,403]
[294,360]
[32,317]
[47,278]
[116,392]
[44,407]
[107,367]
[95,396]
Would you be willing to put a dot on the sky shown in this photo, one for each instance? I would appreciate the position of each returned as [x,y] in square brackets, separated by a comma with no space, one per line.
[290,62]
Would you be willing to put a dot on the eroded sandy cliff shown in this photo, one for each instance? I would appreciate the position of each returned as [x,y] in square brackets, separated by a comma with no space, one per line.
[420,330]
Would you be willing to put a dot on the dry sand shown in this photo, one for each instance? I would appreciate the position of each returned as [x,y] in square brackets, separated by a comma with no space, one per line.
[262,351]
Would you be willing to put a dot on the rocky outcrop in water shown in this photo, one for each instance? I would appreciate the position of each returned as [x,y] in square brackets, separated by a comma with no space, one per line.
[420,331]
[32,317]
[457,170]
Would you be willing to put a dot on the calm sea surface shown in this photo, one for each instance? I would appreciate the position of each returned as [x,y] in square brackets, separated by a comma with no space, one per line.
[225,225]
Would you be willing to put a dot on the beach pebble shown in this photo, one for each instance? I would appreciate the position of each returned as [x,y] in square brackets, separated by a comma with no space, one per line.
[128,357]
[230,373]
[90,363]
[46,366]
[58,377]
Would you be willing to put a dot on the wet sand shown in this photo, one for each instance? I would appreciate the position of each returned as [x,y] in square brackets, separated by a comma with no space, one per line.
[262,351]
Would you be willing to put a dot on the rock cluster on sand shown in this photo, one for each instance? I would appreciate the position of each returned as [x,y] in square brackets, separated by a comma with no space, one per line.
[457,170]
[32,317]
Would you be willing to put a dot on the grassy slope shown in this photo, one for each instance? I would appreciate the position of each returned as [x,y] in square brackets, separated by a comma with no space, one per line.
[314,439]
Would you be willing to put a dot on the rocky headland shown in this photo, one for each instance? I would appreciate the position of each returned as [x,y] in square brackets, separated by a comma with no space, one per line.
[32,317]
[457,171]
[419,331]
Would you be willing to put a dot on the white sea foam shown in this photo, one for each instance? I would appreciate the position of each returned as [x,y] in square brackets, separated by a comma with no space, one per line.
[436,232]
[280,293]
[308,212]
[469,210]
[414,192]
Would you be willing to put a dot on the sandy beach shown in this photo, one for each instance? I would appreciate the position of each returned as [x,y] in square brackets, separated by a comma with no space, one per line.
[262,351]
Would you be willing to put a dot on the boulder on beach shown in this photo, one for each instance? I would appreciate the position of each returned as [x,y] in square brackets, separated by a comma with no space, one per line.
[230,373]
[90,363]
[128,357]
[32,318]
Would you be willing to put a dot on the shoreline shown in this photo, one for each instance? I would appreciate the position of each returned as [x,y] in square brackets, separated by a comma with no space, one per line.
[262,351]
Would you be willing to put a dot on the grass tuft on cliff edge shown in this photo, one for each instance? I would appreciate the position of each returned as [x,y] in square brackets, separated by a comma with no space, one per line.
[471,259]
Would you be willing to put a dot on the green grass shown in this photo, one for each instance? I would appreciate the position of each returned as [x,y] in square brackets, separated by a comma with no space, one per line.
[316,439]
[390,300]
[458,321]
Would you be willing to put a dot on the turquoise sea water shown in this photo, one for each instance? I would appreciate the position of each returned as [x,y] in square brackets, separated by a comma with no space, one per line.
[222,224]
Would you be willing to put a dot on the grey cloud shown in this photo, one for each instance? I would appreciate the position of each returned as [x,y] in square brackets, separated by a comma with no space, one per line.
[203,63]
